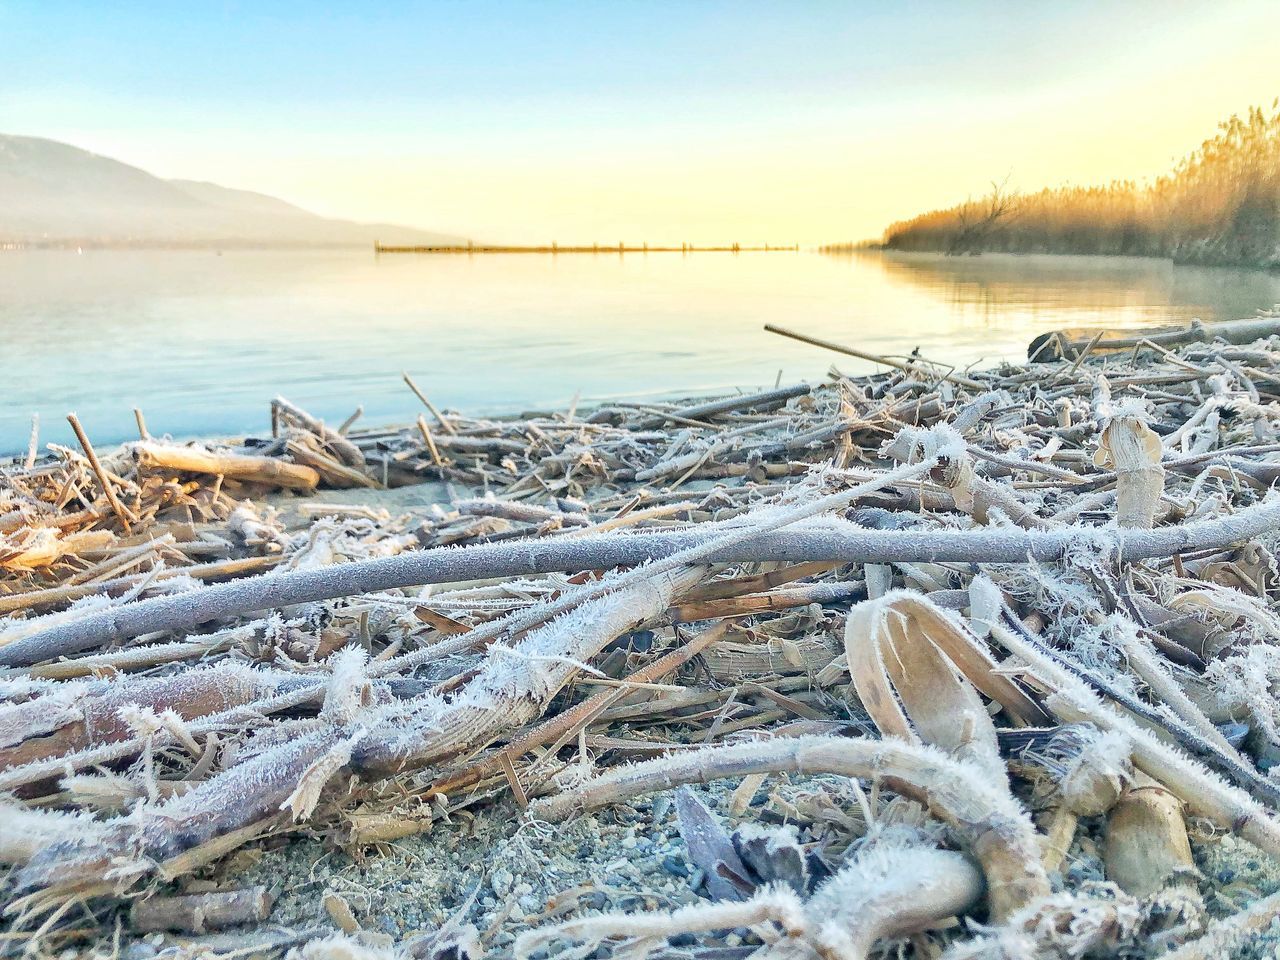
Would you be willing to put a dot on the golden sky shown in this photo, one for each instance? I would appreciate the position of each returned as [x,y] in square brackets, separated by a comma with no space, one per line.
[665,122]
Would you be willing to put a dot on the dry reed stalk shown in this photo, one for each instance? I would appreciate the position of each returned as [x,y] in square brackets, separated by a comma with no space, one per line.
[345,450]
[1133,451]
[1146,848]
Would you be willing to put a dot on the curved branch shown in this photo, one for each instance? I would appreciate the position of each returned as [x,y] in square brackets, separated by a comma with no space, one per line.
[989,821]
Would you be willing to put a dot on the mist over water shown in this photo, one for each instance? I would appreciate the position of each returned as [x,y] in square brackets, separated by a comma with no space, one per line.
[202,341]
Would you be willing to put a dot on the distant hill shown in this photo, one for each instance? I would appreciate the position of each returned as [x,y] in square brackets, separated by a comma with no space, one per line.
[54,193]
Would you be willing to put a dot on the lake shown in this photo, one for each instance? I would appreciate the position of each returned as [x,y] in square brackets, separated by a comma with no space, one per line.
[202,341]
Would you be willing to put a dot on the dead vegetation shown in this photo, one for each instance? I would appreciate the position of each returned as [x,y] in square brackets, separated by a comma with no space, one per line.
[1011,609]
[1219,205]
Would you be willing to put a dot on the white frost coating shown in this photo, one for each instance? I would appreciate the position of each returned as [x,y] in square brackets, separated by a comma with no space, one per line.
[941,441]
[105,705]
[517,680]
[1205,793]
[879,577]
[1245,683]
[302,801]
[1064,926]
[1231,608]
[348,688]
[258,529]
[339,946]
[43,715]
[985,604]
[890,890]
[884,891]
[95,603]
[24,628]
[1135,408]
[1089,768]
[141,720]
[650,931]
[1134,451]
[23,831]
[331,540]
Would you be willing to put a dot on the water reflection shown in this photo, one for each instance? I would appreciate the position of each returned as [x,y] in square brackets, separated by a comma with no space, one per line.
[202,341]
[1083,291]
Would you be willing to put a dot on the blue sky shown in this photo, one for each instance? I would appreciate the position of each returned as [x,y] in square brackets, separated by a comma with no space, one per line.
[805,121]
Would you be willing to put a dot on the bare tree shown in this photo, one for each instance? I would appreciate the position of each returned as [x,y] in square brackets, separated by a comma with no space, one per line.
[978,219]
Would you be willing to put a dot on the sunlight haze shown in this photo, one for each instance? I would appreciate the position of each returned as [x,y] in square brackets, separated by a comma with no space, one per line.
[660,122]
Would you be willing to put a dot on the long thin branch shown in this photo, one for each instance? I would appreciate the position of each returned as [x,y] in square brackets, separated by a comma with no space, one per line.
[828,541]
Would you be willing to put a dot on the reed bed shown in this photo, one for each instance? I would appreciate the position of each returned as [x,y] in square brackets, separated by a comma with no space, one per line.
[1219,205]
[1016,614]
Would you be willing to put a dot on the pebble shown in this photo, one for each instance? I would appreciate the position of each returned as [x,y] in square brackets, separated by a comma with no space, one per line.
[501,881]
[661,807]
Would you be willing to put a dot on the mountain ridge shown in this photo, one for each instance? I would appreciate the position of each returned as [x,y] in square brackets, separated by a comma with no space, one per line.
[56,194]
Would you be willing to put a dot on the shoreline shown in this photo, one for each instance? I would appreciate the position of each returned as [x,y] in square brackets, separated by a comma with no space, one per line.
[382,758]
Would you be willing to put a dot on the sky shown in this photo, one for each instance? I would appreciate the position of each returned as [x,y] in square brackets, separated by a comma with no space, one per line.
[700,121]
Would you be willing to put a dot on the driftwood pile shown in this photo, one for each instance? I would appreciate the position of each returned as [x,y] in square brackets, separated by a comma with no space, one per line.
[1016,609]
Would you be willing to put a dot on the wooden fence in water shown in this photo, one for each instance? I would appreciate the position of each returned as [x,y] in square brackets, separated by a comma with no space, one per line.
[555,248]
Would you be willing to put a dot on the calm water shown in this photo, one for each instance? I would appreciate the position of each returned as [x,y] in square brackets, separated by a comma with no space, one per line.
[201,342]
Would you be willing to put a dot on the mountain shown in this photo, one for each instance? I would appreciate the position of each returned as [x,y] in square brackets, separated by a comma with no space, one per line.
[54,193]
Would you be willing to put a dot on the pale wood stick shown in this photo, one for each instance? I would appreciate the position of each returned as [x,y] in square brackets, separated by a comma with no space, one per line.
[347,423]
[200,912]
[116,506]
[258,469]
[430,441]
[338,474]
[33,445]
[143,433]
[873,357]
[444,424]
[347,451]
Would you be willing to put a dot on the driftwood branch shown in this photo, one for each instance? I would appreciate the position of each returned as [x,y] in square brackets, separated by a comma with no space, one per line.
[194,460]
[831,541]
[201,912]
